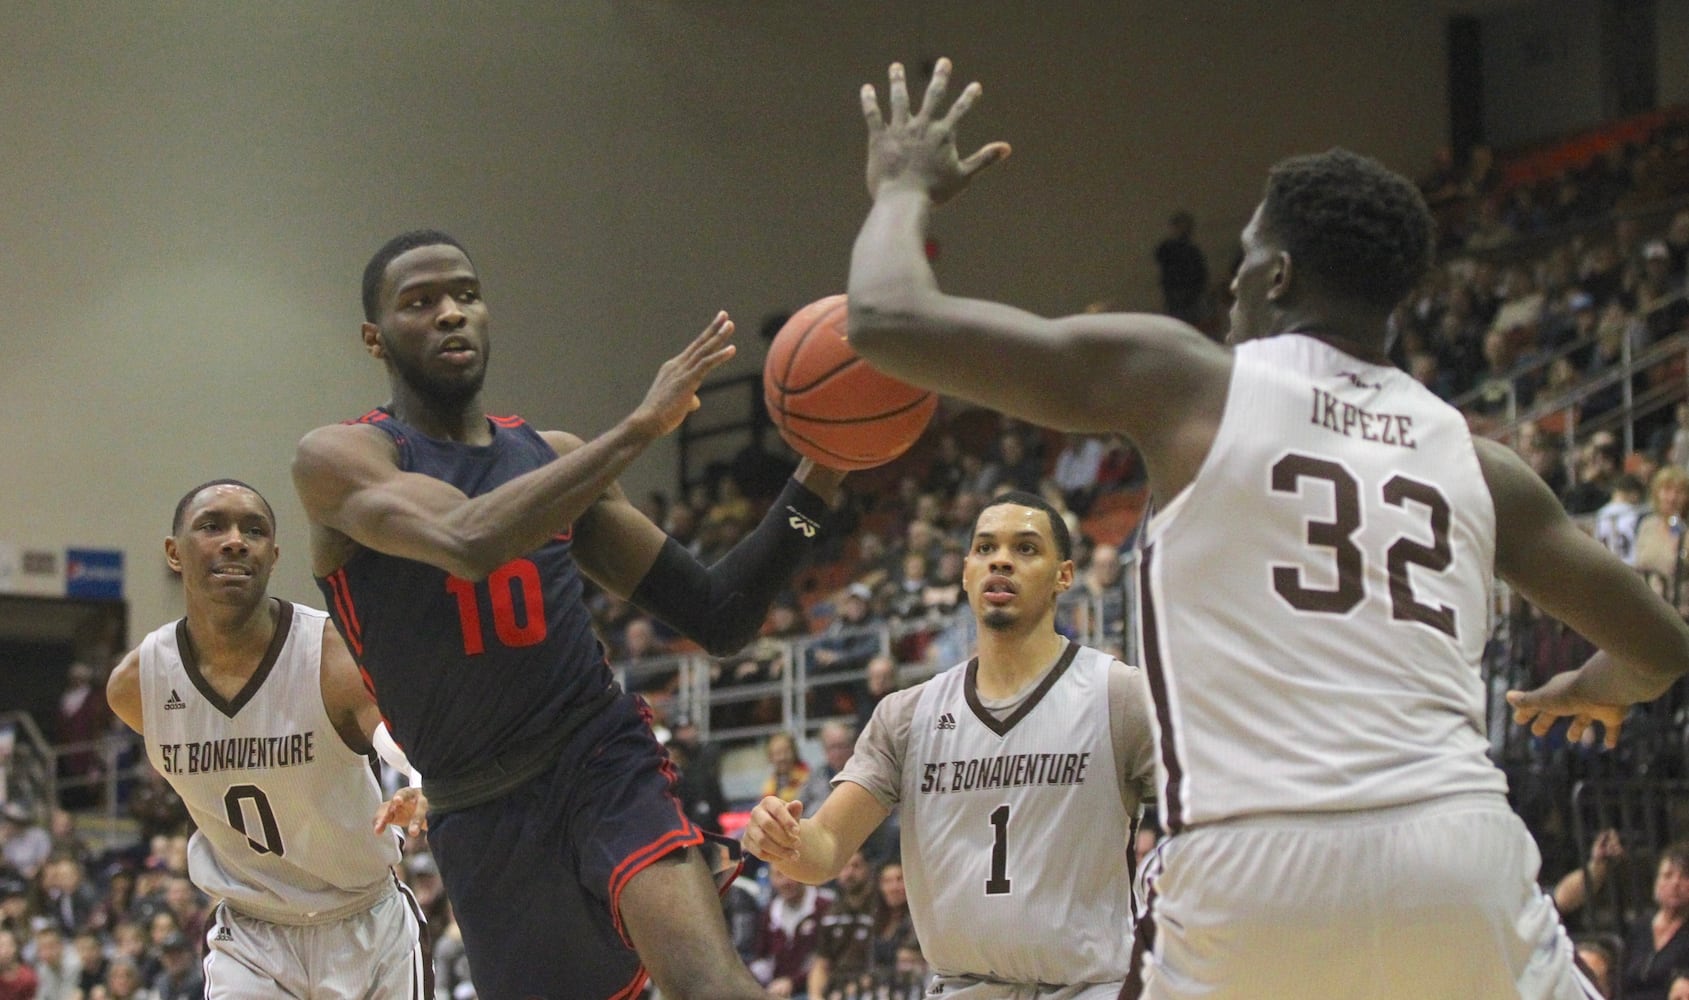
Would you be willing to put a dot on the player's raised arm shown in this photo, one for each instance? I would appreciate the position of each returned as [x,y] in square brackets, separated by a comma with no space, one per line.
[1113,372]
[349,481]
[1644,643]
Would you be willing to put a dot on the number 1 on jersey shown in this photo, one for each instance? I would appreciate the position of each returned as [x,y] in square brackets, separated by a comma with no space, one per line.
[998,883]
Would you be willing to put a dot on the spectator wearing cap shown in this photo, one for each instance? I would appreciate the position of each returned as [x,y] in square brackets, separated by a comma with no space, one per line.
[16,908]
[24,844]
[1660,293]
[843,648]
[180,978]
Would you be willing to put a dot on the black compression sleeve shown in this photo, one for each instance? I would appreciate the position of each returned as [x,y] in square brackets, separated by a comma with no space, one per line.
[722,607]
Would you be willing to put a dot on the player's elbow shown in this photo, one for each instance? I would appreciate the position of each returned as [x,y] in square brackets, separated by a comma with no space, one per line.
[879,315]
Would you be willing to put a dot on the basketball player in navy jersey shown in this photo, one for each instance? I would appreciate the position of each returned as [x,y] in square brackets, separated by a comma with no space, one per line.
[452,548]
[1314,585]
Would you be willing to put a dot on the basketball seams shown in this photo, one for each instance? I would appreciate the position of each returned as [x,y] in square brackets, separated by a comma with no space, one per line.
[836,389]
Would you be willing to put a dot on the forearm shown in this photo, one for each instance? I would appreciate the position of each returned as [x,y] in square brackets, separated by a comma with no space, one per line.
[1608,680]
[889,275]
[820,970]
[523,514]
[723,607]
[820,855]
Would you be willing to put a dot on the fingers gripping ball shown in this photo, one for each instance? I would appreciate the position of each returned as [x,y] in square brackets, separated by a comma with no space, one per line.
[831,405]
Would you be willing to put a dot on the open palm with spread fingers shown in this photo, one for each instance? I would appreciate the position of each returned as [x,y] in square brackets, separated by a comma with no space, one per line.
[919,149]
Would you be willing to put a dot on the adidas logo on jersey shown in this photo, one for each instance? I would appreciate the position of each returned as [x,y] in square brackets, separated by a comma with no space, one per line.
[174,701]
[946,721]
[223,935]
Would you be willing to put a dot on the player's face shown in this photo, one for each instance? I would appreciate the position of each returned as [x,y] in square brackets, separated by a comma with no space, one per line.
[1253,284]
[1013,573]
[227,545]
[432,328]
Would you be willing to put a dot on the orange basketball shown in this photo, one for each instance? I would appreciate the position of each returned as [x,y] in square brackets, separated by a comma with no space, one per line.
[830,404]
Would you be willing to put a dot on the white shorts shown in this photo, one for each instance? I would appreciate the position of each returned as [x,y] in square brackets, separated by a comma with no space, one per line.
[1430,901]
[963,988]
[376,954]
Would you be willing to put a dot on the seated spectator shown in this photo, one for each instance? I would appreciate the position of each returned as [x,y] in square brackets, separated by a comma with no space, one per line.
[66,897]
[24,843]
[1659,534]
[894,928]
[17,980]
[843,954]
[905,592]
[882,680]
[1658,943]
[698,786]
[849,640]
[17,908]
[1616,521]
[787,936]
[124,981]
[1076,469]
[57,967]
[1598,463]
[787,770]
[180,978]
[155,806]
[838,742]
[92,957]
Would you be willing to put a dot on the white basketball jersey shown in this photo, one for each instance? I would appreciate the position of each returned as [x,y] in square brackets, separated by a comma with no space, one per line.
[1314,605]
[283,806]
[1013,830]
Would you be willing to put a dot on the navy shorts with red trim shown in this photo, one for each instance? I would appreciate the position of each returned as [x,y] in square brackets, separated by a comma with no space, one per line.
[535,878]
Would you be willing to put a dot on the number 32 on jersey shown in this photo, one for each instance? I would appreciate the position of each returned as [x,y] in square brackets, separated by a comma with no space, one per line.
[1293,475]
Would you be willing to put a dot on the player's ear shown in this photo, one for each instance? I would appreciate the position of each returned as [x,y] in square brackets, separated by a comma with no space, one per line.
[172,558]
[371,335]
[1283,271]
[1064,576]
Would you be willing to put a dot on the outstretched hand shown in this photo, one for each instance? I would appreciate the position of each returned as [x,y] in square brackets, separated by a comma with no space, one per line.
[919,149]
[407,808]
[674,393]
[1559,699]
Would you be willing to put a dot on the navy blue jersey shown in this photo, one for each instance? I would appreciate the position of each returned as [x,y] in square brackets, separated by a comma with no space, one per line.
[464,670]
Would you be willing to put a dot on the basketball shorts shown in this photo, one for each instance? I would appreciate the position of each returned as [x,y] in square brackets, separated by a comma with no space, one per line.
[966,988]
[535,877]
[1430,900]
[378,954]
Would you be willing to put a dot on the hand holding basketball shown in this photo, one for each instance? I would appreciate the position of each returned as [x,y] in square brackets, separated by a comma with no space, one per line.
[831,405]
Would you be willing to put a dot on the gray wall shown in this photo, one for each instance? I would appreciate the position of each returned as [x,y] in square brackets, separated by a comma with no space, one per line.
[193,188]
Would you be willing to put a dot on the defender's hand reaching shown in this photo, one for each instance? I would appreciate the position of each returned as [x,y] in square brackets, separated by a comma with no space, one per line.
[919,150]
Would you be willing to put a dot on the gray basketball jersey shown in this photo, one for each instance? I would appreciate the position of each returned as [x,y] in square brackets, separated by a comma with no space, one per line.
[1315,603]
[1014,829]
[283,806]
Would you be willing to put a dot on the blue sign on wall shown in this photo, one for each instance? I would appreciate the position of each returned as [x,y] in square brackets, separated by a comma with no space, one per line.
[94,573]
